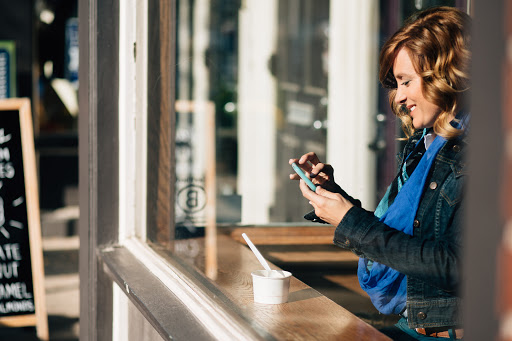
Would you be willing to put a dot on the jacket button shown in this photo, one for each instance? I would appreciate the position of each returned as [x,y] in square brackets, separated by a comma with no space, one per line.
[433,185]
[422,315]
[347,242]
[456,148]
[416,223]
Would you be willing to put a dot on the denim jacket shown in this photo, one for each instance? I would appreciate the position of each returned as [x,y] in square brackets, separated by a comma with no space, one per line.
[431,256]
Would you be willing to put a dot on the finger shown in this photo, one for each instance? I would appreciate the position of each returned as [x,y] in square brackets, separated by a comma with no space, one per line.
[324,192]
[294,176]
[328,194]
[319,167]
[306,167]
[313,204]
[306,191]
[311,157]
[292,161]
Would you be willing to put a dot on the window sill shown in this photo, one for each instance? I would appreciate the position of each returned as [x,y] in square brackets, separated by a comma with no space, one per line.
[156,281]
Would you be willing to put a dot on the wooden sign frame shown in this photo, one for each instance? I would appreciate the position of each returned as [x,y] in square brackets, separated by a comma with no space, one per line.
[210,175]
[39,319]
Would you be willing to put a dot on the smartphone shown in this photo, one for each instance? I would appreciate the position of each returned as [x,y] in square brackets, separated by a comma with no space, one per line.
[299,171]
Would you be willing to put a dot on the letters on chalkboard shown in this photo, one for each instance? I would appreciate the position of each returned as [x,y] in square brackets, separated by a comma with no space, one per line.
[16,289]
[22,297]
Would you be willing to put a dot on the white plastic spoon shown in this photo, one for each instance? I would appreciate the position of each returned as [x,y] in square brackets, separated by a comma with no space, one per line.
[257,253]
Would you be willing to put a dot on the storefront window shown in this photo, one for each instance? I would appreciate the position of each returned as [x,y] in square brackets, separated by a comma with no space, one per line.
[261,71]
[189,112]
[251,92]
[258,83]
[264,82]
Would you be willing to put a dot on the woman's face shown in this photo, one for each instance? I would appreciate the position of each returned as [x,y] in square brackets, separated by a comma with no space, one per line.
[410,92]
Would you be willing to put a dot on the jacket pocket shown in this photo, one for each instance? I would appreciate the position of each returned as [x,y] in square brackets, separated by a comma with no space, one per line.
[453,187]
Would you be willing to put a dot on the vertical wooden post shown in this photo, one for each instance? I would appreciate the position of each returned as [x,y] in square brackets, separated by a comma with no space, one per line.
[34,220]
[211,194]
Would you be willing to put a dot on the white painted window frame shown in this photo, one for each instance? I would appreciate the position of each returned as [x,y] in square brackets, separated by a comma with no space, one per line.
[133,59]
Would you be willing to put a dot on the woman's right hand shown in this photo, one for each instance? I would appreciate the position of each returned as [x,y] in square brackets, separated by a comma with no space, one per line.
[320,173]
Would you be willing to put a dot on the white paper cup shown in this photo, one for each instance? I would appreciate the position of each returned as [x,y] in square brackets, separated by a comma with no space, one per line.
[271,287]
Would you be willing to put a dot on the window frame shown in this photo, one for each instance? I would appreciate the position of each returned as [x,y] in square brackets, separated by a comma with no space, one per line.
[115,257]
[102,258]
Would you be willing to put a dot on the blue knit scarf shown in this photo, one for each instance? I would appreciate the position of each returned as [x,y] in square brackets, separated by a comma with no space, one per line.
[386,286]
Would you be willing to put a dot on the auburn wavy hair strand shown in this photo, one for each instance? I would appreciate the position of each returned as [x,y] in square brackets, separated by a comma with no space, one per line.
[438,41]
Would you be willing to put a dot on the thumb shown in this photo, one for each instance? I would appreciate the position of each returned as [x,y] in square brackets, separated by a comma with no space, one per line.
[323,192]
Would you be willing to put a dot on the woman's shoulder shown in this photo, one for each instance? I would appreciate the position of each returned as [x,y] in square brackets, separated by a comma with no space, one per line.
[453,153]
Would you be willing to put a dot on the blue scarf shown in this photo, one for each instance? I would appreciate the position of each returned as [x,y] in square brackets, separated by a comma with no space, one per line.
[386,286]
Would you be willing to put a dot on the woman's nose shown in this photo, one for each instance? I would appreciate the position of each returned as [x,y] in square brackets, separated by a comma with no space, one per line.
[400,96]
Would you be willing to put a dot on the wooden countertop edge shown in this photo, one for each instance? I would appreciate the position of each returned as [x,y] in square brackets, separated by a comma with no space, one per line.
[285,235]
[307,314]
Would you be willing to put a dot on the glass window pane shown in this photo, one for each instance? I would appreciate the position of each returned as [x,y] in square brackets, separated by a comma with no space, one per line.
[252,92]
[266,84]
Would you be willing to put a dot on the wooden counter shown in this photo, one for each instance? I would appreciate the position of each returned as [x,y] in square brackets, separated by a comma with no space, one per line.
[296,235]
[308,315]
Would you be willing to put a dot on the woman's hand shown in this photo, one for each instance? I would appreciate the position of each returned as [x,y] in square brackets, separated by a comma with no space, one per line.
[330,207]
[320,173]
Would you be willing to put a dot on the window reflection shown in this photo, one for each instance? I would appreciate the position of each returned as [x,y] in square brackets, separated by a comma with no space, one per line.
[263,69]
[251,92]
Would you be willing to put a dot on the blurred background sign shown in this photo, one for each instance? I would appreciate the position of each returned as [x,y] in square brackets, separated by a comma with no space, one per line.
[71,51]
[7,69]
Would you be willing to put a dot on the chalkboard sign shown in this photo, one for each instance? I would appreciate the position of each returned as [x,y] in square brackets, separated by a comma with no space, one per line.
[22,297]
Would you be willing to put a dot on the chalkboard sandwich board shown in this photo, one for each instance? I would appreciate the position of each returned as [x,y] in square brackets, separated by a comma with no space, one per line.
[22,296]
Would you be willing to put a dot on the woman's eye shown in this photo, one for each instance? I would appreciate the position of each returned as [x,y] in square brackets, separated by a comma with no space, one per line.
[405,83]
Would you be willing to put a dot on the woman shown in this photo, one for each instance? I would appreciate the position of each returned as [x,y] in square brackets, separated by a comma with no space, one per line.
[410,246]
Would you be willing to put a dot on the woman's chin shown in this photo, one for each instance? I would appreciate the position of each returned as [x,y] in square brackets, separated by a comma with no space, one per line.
[418,125]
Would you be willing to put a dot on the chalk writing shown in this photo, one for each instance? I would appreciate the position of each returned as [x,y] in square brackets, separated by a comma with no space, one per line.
[16,283]
[10,252]
[16,290]
[17,306]
[6,167]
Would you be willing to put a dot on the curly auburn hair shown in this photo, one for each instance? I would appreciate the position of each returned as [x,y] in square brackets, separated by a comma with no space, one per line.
[438,42]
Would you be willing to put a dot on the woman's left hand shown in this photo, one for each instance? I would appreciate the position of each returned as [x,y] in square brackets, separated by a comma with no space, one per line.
[330,207]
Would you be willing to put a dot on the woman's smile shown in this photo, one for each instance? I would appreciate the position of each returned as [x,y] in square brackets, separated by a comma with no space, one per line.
[409,92]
